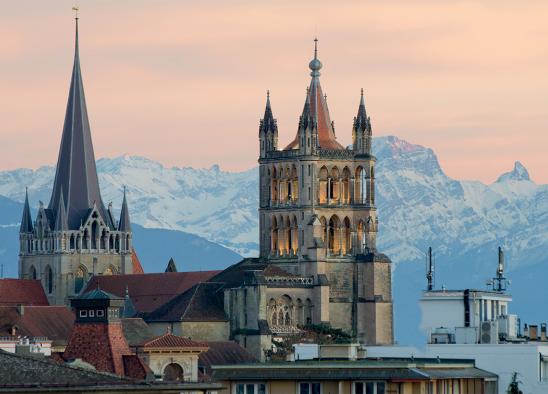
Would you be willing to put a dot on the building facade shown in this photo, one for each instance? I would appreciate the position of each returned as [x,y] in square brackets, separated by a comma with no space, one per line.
[75,236]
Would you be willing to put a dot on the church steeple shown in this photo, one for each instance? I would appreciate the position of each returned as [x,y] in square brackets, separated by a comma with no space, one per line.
[61,221]
[318,109]
[76,174]
[268,129]
[26,220]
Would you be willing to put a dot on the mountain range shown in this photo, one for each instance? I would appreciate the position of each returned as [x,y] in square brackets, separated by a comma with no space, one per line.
[418,206]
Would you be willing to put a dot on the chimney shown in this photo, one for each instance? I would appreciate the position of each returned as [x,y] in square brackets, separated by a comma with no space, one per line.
[543,331]
[21,309]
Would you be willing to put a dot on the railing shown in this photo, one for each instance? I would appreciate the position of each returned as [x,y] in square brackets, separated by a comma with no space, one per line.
[291,280]
[284,329]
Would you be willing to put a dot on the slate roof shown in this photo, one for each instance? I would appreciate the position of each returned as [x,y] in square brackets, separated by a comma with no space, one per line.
[53,322]
[22,292]
[224,353]
[234,275]
[26,220]
[76,173]
[168,340]
[136,331]
[124,224]
[150,291]
[202,302]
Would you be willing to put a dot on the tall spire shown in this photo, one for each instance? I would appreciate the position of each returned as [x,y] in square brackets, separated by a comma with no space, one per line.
[318,108]
[268,123]
[26,220]
[125,224]
[76,169]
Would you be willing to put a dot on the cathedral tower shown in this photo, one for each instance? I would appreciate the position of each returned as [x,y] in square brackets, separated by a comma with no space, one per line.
[318,217]
[75,236]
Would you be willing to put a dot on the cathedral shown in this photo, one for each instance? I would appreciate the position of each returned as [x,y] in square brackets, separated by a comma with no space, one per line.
[318,262]
[75,236]
[318,258]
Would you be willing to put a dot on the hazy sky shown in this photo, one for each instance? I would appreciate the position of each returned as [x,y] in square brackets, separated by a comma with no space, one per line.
[184,82]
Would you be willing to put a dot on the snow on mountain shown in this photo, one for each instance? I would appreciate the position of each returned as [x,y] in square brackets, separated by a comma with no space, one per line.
[419,206]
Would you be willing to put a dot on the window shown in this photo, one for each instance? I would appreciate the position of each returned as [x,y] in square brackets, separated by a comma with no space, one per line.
[250,388]
[91,313]
[369,388]
[83,313]
[100,313]
[309,388]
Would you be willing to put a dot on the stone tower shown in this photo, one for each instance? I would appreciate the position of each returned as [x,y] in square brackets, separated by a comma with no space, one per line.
[75,236]
[318,217]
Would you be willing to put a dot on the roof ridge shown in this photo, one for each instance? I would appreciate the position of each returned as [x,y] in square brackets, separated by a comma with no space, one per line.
[196,286]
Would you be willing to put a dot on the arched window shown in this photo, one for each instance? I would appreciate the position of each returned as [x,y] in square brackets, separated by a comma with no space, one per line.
[85,239]
[32,272]
[287,235]
[79,279]
[346,244]
[274,234]
[346,186]
[174,373]
[274,187]
[359,186]
[48,279]
[360,235]
[308,311]
[294,235]
[324,185]
[334,240]
[104,239]
[293,184]
[72,242]
[94,234]
[334,185]
[299,316]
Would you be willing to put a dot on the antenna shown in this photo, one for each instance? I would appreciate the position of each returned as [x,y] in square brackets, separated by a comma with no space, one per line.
[430,270]
[499,282]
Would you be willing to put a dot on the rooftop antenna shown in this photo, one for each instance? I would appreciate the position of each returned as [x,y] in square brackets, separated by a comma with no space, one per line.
[430,270]
[499,281]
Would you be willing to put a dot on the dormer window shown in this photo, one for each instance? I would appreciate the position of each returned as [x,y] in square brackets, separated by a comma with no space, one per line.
[92,313]
[83,313]
[100,313]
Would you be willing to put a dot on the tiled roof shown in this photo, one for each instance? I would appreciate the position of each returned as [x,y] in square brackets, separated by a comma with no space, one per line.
[150,291]
[274,270]
[22,292]
[168,340]
[224,353]
[16,370]
[53,322]
[100,344]
[234,275]
[203,302]
[136,263]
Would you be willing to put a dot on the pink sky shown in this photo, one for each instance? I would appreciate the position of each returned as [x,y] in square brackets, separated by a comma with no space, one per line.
[184,82]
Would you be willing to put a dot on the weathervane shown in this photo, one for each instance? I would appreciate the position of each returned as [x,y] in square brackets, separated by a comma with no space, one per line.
[76,9]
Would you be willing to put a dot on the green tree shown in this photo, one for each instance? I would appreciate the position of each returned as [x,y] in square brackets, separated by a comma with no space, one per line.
[513,387]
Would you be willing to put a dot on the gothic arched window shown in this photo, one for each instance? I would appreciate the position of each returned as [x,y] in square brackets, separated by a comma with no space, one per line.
[48,279]
[174,373]
[32,272]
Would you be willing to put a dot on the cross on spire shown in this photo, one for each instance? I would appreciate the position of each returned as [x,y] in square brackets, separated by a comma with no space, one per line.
[75,9]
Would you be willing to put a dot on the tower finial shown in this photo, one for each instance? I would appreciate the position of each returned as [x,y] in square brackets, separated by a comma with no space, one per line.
[75,9]
[315,47]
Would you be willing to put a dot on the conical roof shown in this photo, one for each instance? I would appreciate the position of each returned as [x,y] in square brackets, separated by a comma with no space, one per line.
[76,174]
[61,223]
[26,220]
[268,123]
[361,121]
[318,110]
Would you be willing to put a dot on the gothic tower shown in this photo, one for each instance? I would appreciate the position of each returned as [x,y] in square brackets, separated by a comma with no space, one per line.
[75,236]
[318,216]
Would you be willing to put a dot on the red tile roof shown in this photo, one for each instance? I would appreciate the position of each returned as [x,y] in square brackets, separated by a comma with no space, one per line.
[22,292]
[53,322]
[136,264]
[168,340]
[101,344]
[150,291]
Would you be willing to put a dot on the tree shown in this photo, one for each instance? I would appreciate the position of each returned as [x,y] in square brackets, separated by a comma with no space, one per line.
[513,387]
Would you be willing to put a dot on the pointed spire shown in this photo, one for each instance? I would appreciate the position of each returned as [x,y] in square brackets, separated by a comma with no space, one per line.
[61,221]
[76,169]
[171,266]
[318,109]
[26,220]
[361,121]
[268,123]
[124,224]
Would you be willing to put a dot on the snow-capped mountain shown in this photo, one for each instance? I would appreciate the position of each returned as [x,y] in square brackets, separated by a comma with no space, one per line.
[419,206]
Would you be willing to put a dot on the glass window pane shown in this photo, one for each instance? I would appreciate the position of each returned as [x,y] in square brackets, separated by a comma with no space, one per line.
[262,388]
[250,388]
[380,388]
[304,388]
[370,388]
[358,388]
[315,388]
[240,389]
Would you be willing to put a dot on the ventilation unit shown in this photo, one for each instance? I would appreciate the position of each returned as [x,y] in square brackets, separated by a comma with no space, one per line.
[489,332]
